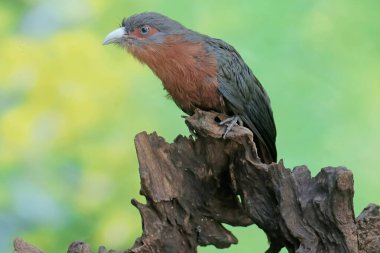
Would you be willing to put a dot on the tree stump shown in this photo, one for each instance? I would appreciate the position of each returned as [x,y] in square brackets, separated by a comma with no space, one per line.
[196,184]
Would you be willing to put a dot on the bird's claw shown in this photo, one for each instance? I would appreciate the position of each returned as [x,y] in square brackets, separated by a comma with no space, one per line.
[232,121]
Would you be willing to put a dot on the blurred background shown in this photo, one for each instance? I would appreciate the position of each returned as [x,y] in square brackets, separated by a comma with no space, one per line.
[70,108]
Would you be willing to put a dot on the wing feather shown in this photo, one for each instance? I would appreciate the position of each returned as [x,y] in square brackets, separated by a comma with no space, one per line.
[244,94]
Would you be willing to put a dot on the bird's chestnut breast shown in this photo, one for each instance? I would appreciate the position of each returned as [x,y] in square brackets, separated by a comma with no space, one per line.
[187,71]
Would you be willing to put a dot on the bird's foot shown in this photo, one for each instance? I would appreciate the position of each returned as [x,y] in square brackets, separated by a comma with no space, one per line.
[230,122]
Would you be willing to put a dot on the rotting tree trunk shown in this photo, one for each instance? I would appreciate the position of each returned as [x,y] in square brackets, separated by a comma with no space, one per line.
[194,185]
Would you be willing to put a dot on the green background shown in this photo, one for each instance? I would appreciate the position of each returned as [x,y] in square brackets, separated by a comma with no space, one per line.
[70,108]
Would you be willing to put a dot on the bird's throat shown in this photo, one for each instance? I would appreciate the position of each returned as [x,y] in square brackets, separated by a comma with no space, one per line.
[187,71]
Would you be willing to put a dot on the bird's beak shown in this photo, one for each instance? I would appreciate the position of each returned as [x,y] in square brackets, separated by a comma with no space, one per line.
[115,36]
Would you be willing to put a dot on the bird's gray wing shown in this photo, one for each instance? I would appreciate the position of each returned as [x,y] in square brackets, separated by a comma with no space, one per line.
[244,94]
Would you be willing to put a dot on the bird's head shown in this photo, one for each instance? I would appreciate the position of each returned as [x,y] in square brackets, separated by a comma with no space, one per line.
[163,44]
[147,28]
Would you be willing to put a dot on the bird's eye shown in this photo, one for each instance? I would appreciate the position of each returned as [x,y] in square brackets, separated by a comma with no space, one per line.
[144,29]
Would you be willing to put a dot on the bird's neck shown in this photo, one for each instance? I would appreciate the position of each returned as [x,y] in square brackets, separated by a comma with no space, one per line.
[184,67]
[175,59]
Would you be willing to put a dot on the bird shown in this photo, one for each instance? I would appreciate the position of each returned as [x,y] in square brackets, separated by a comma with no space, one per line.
[200,72]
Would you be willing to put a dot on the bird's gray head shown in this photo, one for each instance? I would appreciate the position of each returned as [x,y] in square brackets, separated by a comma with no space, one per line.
[146,27]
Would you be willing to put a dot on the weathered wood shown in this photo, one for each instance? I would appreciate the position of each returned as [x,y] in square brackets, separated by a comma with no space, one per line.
[195,185]
[20,246]
[223,181]
[368,224]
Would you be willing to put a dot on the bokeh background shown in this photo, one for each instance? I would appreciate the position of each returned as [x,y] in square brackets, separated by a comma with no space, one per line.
[70,108]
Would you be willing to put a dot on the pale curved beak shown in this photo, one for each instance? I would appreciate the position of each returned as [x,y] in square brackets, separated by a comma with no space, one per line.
[115,36]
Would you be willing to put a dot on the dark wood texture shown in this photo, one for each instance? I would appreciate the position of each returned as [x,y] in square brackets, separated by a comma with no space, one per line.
[196,184]
[20,246]
[368,225]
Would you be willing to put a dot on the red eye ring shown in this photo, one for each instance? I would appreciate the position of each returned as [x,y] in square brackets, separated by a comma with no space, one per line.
[144,29]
